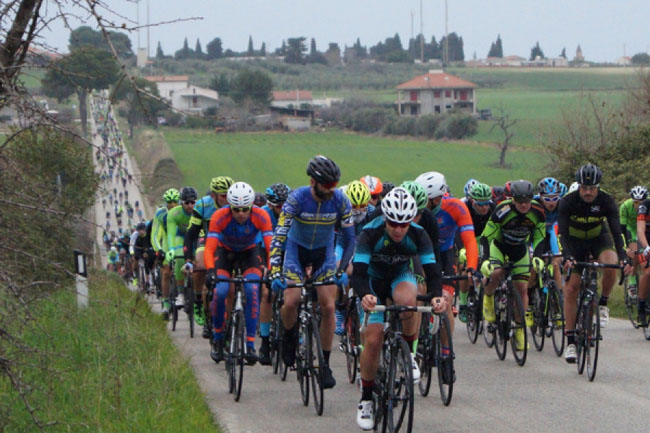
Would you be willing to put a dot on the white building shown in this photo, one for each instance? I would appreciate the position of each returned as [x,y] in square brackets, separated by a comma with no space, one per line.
[184,96]
[435,93]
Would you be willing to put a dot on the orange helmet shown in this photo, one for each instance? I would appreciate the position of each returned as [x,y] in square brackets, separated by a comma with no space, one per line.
[373,183]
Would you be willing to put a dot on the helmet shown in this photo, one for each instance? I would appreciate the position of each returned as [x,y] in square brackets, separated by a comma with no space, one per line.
[141,226]
[125,234]
[388,186]
[373,183]
[639,192]
[589,174]
[398,206]
[171,195]
[563,189]
[468,186]
[220,184]
[480,192]
[260,200]
[241,194]
[498,193]
[323,169]
[549,186]
[113,249]
[188,194]
[506,189]
[358,193]
[522,189]
[574,187]
[277,193]
[434,184]
[417,192]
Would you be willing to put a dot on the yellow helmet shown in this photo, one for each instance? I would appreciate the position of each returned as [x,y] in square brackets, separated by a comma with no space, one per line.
[220,185]
[358,193]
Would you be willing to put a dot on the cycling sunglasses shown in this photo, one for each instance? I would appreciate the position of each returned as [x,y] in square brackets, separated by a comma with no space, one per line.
[329,185]
[240,209]
[522,199]
[189,202]
[483,203]
[395,225]
[550,199]
[359,207]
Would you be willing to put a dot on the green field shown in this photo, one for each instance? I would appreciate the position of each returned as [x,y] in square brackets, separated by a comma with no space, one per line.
[265,158]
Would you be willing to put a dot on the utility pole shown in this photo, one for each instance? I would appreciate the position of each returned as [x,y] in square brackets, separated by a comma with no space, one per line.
[148,38]
[411,24]
[445,59]
[421,35]
[137,19]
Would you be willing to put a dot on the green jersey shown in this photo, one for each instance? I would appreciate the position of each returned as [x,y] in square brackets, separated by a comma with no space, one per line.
[509,226]
[177,222]
[628,215]
[159,230]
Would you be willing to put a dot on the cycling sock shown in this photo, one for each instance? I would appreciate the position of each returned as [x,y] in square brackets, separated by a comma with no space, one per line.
[641,304]
[570,337]
[632,280]
[410,339]
[265,328]
[415,345]
[462,296]
[603,300]
[252,306]
[366,389]
[445,351]
[326,356]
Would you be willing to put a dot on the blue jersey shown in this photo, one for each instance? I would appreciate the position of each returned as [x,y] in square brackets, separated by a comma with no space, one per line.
[274,219]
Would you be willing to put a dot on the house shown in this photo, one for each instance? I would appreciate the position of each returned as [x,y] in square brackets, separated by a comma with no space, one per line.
[184,96]
[624,61]
[435,92]
[292,99]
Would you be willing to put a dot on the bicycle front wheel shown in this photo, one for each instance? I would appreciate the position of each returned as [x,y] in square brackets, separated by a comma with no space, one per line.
[316,363]
[592,325]
[501,328]
[188,294]
[424,355]
[631,302]
[238,353]
[556,319]
[352,340]
[302,369]
[538,331]
[473,316]
[581,343]
[445,360]
[400,396]
[517,325]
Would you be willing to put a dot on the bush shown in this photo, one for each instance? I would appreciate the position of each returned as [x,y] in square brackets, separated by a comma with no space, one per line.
[173,118]
[425,126]
[199,122]
[371,120]
[457,126]
[401,126]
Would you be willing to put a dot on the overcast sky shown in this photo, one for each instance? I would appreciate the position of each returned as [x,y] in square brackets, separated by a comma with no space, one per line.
[601,27]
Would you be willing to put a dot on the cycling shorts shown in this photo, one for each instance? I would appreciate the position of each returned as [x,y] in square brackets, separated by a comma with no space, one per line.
[582,248]
[227,261]
[501,252]
[297,258]
[384,289]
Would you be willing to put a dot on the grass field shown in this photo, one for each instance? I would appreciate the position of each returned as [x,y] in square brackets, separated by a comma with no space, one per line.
[265,158]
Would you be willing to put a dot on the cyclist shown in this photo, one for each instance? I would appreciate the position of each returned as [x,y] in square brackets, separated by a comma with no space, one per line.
[388,186]
[123,245]
[194,242]
[375,186]
[231,243]
[275,195]
[480,205]
[306,225]
[468,187]
[643,231]
[452,216]
[140,248]
[582,230]
[178,220]
[628,212]
[113,258]
[381,270]
[514,224]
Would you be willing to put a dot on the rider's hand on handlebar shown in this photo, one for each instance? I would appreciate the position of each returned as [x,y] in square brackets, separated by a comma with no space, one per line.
[569,262]
[439,304]
[211,278]
[627,268]
[368,302]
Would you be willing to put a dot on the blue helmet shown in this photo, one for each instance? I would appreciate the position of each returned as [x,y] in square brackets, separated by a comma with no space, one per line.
[277,193]
[468,186]
[549,186]
[563,189]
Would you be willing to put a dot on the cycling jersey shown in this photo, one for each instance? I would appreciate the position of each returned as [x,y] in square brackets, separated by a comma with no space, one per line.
[579,220]
[628,215]
[452,215]
[478,221]
[274,219]
[177,223]
[378,257]
[113,257]
[550,243]
[358,226]
[644,215]
[199,222]
[510,227]
[309,224]
[159,230]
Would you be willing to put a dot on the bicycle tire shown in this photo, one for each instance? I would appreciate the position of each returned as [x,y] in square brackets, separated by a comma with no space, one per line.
[172,304]
[556,319]
[231,332]
[515,305]
[488,336]
[301,364]
[593,340]
[188,293]
[445,364]
[240,338]
[424,355]
[316,363]
[501,328]
[580,338]
[538,331]
[646,333]
[473,315]
[399,380]
[275,338]
[631,304]
[352,339]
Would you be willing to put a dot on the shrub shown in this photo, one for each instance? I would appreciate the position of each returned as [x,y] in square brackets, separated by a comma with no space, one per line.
[173,118]
[371,120]
[426,125]
[199,122]
[401,126]
[457,126]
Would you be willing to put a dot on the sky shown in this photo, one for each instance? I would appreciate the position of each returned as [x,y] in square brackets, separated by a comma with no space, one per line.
[603,28]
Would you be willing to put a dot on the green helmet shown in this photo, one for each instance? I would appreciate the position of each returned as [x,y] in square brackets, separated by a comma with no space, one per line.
[480,192]
[171,195]
[358,193]
[220,184]
[417,192]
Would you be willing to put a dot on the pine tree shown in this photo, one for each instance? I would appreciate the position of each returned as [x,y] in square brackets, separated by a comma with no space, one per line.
[159,52]
[198,50]
[263,50]
[251,51]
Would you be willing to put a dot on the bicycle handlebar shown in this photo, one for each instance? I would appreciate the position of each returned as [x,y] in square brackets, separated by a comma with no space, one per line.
[397,308]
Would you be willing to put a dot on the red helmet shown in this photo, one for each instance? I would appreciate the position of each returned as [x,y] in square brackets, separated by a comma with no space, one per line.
[373,183]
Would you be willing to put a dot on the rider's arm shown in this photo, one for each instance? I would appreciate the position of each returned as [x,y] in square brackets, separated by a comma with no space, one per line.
[217,223]
[347,233]
[289,210]
[552,236]
[428,260]
[539,232]
[360,265]
[192,234]
[563,226]
[640,225]
[615,227]
[262,222]
[463,219]
[134,238]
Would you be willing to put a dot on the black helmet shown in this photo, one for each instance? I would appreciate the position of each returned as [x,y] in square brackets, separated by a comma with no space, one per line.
[521,189]
[188,194]
[260,200]
[589,174]
[388,186]
[277,193]
[323,169]
[141,226]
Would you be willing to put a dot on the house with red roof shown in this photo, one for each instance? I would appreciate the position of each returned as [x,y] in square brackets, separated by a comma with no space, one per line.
[434,93]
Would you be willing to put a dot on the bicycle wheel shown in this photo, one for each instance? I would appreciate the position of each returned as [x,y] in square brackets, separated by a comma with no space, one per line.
[424,355]
[538,331]
[352,339]
[301,364]
[631,302]
[231,338]
[516,309]
[445,362]
[556,318]
[473,316]
[188,294]
[399,389]
[500,328]
[275,338]
[488,334]
[173,307]
[238,353]
[592,325]
[646,333]
[316,362]
[580,338]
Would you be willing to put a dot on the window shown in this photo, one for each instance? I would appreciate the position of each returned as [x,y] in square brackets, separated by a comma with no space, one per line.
[195,101]
[447,93]
[463,95]
[414,110]
[414,95]
[455,94]
[437,109]
[436,93]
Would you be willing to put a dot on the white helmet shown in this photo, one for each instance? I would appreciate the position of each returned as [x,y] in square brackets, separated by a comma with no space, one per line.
[434,184]
[639,193]
[399,206]
[574,187]
[240,194]
[113,249]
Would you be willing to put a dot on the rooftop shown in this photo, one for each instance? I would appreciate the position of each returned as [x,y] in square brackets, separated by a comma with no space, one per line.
[167,78]
[435,80]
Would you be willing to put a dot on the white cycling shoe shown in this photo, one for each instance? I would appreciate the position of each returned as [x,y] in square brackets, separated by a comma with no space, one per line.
[366,415]
[604,316]
[416,369]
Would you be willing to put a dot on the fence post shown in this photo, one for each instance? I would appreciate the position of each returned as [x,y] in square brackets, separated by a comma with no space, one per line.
[81,279]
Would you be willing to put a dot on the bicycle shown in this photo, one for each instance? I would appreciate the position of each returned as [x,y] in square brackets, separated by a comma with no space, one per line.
[393,393]
[509,312]
[548,309]
[350,341]
[631,294]
[587,332]
[276,332]
[142,277]
[189,298]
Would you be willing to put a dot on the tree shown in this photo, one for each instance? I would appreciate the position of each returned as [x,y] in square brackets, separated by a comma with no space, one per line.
[184,53]
[82,70]
[214,49]
[254,86]
[315,56]
[496,49]
[86,36]
[294,51]
[263,50]
[641,59]
[159,52]
[143,104]
[563,53]
[198,51]
[221,84]
[251,50]
[503,121]
[455,47]
[333,54]
[536,51]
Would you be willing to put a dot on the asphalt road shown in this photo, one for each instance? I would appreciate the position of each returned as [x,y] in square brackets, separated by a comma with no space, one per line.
[546,395]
